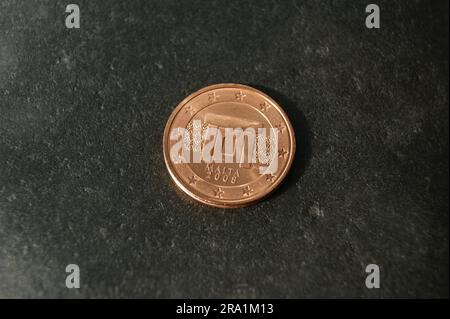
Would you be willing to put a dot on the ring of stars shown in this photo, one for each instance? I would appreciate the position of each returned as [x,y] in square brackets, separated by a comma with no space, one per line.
[247,190]
[264,106]
[212,97]
[218,192]
[240,96]
[190,109]
[282,153]
[193,180]
[280,127]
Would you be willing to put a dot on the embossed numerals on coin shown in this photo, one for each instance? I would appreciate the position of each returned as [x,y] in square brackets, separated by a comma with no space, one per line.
[222,173]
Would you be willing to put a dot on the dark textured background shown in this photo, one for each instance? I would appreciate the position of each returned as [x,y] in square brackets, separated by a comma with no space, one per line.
[82,176]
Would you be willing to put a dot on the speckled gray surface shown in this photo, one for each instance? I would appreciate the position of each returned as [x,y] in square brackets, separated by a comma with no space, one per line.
[82,177]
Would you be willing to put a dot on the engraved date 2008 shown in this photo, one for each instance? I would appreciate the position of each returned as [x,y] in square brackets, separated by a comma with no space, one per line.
[222,173]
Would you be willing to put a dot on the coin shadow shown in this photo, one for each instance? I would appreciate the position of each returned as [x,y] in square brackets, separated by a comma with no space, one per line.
[302,138]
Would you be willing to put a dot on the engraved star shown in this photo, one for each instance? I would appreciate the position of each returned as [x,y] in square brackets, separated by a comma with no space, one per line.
[193,180]
[264,106]
[240,96]
[280,127]
[190,109]
[212,97]
[282,153]
[218,192]
[247,190]
[270,178]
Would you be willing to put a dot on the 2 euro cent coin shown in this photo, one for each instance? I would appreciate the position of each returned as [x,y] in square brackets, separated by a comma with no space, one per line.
[228,145]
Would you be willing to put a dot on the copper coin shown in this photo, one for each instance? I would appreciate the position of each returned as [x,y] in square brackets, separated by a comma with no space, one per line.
[228,145]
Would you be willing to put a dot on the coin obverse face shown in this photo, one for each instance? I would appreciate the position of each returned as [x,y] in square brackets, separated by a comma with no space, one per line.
[228,145]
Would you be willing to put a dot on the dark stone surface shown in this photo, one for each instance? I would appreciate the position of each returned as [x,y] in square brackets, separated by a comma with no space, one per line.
[82,177]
